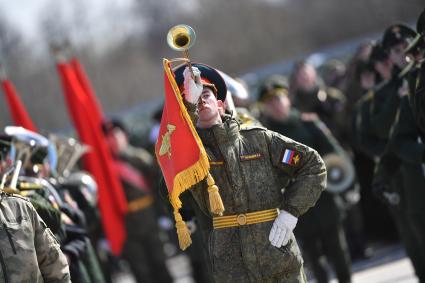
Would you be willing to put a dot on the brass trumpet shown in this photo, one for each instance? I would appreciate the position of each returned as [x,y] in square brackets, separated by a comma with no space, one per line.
[181,38]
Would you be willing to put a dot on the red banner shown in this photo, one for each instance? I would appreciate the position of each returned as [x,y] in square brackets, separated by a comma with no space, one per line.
[112,201]
[16,107]
[87,87]
[179,150]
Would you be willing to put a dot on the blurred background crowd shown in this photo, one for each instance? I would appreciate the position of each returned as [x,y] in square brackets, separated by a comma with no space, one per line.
[343,77]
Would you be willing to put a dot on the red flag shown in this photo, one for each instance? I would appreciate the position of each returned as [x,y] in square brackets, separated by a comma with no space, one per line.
[95,112]
[112,201]
[19,114]
[88,89]
[179,150]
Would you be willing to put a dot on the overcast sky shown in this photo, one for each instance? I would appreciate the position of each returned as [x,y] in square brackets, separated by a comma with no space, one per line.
[22,13]
[25,14]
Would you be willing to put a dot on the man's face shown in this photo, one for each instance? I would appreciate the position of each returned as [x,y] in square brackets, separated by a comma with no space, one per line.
[277,107]
[306,78]
[117,141]
[210,109]
[397,55]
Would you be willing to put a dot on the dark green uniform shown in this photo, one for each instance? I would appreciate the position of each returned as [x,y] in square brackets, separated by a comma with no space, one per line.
[364,139]
[252,176]
[417,95]
[367,148]
[320,229]
[327,102]
[408,146]
[384,108]
[384,115]
[143,248]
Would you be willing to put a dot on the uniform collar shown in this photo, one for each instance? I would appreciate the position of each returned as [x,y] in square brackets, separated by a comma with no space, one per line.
[225,132]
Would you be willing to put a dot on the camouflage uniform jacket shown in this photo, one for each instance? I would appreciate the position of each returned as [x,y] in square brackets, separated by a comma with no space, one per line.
[247,165]
[28,252]
[311,131]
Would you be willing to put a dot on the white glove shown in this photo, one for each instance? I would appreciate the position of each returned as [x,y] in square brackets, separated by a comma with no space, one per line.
[192,88]
[282,229]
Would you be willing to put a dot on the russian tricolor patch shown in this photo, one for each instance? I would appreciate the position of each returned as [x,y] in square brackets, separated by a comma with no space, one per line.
[290,157]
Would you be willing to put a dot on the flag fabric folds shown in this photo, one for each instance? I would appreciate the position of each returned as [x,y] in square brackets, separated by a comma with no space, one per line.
[19,114]
[87,87]
[87,118]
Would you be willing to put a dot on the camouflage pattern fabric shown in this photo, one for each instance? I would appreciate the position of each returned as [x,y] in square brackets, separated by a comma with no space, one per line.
[249,167]
[29,252]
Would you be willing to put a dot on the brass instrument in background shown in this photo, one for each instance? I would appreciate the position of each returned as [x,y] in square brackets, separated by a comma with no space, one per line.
[181,38]
[341,173]
[69,151]
[24,144]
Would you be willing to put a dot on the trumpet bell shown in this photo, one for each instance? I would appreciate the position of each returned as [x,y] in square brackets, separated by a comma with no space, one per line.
[181,37]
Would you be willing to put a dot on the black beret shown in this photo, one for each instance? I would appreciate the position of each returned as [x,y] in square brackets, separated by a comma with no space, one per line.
[397,34]
[207,73]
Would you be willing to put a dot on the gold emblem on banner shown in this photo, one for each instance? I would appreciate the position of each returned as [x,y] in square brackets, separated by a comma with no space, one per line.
[166,141]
